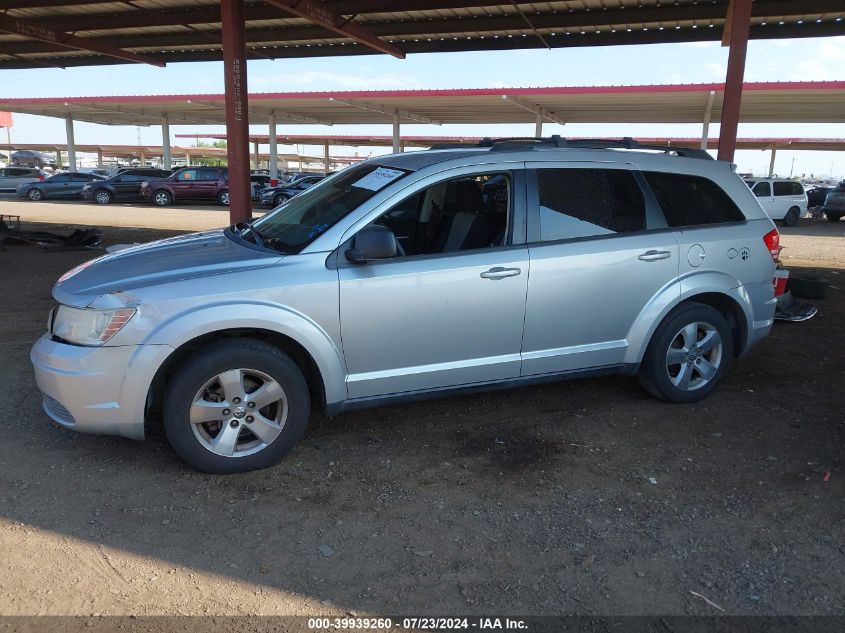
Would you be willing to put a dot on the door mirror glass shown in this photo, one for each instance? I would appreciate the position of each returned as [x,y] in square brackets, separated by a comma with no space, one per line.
[371,243]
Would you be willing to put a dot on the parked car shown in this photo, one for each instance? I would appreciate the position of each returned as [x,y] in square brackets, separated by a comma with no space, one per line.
[13,177]
[32,158]
[258,183]
[123,186]
[100,171]
[816,196]
[65,185]
[274,196]
[407,276]
[834,203]
[781,199]
[189,183]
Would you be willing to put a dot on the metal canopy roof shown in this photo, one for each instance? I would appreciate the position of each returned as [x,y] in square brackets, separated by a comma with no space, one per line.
[784,102]
[61,33]
[816,144]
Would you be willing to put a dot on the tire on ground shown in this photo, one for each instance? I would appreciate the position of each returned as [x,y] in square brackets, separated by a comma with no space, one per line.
[653,373]
[201,367]
[807,287]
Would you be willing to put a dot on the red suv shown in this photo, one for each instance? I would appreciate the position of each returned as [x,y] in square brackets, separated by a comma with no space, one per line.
[189,183]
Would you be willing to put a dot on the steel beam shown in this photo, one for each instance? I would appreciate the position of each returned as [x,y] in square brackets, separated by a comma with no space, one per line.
[317,13]
[17,26]
[165,142]
[540,111]
[377,107]
[237,109]
[326,159]
[772,160]
[740,20]
[397,138]
[71,143]
[705,127]
[274,147]
[538,126]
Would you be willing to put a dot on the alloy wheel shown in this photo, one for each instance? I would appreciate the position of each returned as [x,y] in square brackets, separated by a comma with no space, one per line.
[238,412]
[694,356]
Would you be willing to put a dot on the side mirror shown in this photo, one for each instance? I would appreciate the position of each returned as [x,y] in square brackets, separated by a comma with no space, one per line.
[372,243]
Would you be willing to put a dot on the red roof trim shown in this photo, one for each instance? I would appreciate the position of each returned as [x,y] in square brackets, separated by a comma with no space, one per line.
[460,92]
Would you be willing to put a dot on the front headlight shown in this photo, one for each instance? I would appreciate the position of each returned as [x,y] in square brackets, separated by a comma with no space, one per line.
[85,326]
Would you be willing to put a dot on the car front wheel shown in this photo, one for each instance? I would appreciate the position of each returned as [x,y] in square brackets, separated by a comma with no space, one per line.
[162,198]
[102,196]
[35,194]
[223,198]
[688,354]
[236,406]
[833,217]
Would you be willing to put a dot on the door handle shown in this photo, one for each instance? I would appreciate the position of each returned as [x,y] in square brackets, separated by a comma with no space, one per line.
[653,256]
[500,273]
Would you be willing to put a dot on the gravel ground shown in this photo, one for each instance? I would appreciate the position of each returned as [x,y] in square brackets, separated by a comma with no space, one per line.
[587,497]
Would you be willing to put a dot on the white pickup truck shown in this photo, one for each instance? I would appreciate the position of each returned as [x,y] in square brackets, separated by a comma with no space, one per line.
[782,199]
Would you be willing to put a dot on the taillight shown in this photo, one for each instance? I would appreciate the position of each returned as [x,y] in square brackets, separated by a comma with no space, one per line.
[772,240]
[41,177]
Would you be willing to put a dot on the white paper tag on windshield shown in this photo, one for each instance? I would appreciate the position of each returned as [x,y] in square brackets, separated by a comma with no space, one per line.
[376,180]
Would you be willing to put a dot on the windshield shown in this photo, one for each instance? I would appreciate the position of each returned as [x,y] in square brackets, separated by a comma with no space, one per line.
[293,225]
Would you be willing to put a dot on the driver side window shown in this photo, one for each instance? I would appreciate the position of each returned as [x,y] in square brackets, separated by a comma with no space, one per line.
[459,214]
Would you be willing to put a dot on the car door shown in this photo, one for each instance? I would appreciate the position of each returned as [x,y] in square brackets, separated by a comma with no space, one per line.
[600,251]
[184,183]
[450,311]
[56,186]
[4,178]
[126,185]
[205,187]
[763,192]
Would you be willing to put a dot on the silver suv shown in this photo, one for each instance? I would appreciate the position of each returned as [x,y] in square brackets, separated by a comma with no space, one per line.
[416,275]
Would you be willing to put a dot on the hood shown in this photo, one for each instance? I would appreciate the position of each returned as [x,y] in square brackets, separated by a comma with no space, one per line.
[165,261]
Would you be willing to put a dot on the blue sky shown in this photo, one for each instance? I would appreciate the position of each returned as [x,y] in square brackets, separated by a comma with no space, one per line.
[775,60]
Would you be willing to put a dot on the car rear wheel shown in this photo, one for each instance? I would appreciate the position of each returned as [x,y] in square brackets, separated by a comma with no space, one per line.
[35,194]
[162,198]
[101,196]
[236,406]
[279,200]
[688,354]
[791,217]
[223,198]
[833,217]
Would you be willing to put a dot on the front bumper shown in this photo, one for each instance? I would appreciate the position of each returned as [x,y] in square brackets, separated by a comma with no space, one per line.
[99,390]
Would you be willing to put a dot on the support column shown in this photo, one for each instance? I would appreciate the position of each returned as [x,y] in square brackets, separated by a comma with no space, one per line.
[538,126]
[397,144]
[166,162]
[237,121]
[737,28]
[58,157]
[99,157]
[187,158]
[143,157]
[255,154]
[71,144]
[705,127]
[326,157]
[274,147]
[772,160]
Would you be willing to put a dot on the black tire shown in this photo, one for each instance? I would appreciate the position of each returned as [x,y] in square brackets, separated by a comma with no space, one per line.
[35,194]
[833,217]
[807,287]
[223,198]
[162,198]
[280,199]
[654,373]
[792,216]
[102,196]
[204,366]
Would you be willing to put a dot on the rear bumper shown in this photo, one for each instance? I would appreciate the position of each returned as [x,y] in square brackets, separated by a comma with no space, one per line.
[761,299]
[99,390]
[833,210]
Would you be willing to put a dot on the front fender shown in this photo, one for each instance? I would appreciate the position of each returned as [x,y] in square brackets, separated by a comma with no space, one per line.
[191,324]
[686,287]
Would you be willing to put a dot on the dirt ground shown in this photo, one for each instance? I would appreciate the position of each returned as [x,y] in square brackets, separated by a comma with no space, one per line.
[587,497]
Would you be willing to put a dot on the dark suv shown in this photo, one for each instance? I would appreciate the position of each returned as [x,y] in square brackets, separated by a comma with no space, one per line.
[189,183]
[124,186]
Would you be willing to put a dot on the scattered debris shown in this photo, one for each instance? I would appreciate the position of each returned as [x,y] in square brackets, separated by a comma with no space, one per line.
[424,553]
[325,550]
[652,481]
[826,477]
[79,239]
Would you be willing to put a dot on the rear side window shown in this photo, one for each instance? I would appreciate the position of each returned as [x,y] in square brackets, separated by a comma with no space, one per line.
[762,190]
[208,174]
[588,202]
[692,200]
[782,188]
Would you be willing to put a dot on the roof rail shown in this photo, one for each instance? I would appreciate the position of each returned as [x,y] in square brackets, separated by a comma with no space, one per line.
[511,143]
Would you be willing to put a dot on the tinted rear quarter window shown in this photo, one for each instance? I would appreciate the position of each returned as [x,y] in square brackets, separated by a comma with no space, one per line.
[692,200]
[588,202]
[782,188]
